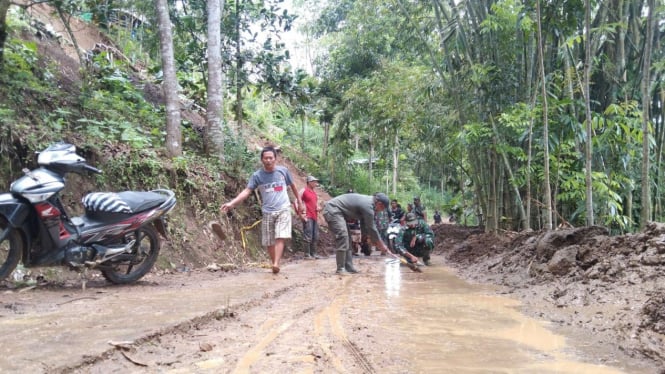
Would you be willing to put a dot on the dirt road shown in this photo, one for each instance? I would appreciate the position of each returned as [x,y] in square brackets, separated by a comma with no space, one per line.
[306,319]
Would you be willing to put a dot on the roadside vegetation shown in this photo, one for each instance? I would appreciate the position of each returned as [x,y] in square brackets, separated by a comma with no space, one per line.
[509,115]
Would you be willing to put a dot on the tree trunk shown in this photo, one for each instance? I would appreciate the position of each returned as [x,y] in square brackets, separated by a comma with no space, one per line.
[587,104]
[170,85]
[645,215]
[658,156]
[546,143]
[395,164]
[302,133]
[371,159]
[4,6]
[326,136]
[493,211]
[515,187]
[239,68]
[68,27]
[215,79]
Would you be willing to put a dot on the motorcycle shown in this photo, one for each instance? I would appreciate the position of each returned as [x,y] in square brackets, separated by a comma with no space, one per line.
[393,231]
[118,234]
[359,242]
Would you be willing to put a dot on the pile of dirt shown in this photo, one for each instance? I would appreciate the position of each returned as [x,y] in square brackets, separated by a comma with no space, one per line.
[609,287]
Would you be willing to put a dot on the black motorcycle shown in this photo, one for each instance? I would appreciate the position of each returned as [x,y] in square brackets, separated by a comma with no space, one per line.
[118,234]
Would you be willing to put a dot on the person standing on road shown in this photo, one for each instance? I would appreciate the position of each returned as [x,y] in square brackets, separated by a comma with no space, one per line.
[272,182]
[351,206]
[396,211]
[310,225]
[419,209]
[437,217]
[409,209]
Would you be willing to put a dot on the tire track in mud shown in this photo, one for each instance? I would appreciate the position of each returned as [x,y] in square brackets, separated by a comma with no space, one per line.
[331,314]
[253,354]
[329,331]
[184,328]
[298,328]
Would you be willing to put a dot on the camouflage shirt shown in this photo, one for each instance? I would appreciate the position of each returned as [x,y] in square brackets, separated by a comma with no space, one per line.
[421,229]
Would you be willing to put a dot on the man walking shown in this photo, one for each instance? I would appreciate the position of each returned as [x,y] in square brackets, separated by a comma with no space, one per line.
[272,182]
[310,224]
[351,206]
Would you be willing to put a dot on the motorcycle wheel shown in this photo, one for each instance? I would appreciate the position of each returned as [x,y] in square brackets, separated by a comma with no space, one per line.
[10,251]
[366,249]
[391,245]
[131,267]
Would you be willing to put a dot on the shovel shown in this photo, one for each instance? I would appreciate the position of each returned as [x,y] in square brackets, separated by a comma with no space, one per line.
[410,265]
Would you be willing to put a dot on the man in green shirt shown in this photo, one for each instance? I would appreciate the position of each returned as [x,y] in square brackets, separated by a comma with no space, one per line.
[352,206]
[417,238]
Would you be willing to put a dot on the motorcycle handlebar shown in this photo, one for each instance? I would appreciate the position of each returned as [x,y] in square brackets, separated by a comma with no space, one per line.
[92,169]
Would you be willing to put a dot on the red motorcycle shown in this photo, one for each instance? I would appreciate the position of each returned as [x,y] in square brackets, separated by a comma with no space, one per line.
[118,234]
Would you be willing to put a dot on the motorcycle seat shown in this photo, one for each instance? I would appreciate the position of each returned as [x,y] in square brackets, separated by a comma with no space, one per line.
[100,204]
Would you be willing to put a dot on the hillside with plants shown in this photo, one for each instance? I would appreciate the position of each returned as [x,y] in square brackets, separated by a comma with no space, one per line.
[480,109]
[513,116]
[111,106]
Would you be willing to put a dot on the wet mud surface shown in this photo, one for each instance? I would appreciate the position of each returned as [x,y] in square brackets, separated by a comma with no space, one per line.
[608,290]
[521,313]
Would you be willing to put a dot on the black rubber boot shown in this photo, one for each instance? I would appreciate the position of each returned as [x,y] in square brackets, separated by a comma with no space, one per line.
[348,264]
[341,259]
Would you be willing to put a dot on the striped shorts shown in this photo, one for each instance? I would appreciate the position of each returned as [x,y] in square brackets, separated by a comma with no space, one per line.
[275,225]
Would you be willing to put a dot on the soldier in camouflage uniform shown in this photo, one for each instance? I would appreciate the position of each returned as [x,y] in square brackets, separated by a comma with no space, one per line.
[417,238]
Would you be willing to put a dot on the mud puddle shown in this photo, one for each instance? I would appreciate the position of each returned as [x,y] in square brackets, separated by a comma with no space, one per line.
[386,319]
[449,326]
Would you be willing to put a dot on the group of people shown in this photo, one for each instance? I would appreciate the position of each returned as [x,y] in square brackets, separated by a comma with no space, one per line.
[272,181]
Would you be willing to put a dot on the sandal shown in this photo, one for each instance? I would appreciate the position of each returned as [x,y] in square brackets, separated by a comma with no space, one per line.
[275,269]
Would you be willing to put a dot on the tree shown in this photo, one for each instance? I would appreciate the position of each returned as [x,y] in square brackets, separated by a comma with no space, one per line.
[4,7]
[170,84]
[645,215]
[587,104]
[215,78]
[570,141]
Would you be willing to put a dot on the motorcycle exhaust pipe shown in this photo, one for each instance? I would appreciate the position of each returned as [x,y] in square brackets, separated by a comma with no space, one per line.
[107,253]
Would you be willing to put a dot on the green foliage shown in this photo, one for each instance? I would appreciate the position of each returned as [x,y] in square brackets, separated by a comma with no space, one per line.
[115,110]
[21,74]
[239,159]
[135,170]
[605,188]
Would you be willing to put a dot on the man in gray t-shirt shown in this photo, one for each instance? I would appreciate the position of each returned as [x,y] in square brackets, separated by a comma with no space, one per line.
[272,182]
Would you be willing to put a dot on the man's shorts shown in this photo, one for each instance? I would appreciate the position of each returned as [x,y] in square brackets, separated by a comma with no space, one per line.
[275,226]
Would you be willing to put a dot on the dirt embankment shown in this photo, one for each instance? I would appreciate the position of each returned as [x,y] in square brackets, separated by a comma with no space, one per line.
[608,287]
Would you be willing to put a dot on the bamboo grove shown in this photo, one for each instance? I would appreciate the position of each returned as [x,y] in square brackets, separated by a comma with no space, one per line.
[536,113]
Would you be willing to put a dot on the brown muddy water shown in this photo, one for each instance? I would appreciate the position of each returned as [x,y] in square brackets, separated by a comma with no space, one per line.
[456,327]
[386,319]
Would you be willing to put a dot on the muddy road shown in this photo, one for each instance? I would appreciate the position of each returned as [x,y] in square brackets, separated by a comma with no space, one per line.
[304,320]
